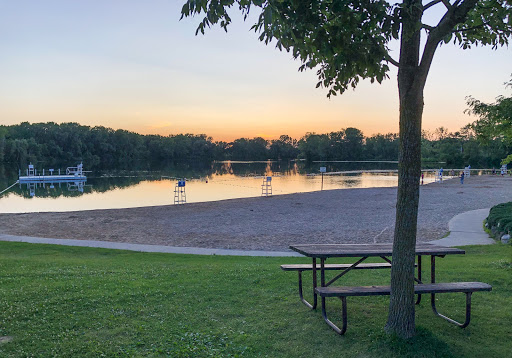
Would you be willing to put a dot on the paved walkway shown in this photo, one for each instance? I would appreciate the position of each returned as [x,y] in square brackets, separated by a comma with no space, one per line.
[465,229]
[143,248]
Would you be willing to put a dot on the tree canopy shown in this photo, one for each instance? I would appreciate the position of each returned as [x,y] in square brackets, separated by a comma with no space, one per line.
[495,119]
[107,148]
[348,40]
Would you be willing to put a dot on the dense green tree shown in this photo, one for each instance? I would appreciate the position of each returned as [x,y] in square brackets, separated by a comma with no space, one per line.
[495,119]
[336,146]
[3,132]
[347,40]
[381,147]
[18,150]
[248,149]
[283,148]
[314,146]
[353,144]
[98,147]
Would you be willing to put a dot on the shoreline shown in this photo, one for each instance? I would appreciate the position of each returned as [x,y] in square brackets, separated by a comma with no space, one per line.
[362,215]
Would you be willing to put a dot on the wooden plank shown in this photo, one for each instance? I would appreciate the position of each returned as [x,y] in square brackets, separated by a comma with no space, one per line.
[445,287]
[368,250]
[309,267]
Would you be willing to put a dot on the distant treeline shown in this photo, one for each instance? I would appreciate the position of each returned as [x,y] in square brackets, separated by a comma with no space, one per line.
[101,147]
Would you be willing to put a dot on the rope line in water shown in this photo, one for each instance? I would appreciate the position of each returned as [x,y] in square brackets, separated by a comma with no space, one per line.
[3,191]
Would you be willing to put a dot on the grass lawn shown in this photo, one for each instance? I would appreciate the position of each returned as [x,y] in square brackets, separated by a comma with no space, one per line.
[61,301]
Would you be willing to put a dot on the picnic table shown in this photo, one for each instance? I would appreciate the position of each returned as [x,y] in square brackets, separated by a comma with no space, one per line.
[360,253]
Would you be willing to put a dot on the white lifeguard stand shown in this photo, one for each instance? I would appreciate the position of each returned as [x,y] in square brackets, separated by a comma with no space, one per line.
[439,176]
[503,170]
[76,171]
[266,187]
[180,196]
[31,171]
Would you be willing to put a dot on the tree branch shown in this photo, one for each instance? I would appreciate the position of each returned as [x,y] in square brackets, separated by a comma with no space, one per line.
[455,15]
[448,5]
[391,60]
[471,28]
[427,27]
[432,3]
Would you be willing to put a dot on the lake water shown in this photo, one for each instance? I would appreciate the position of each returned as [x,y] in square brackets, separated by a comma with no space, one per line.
[217,181]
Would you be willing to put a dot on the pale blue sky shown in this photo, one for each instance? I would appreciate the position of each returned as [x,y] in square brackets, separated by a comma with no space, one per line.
[132,64]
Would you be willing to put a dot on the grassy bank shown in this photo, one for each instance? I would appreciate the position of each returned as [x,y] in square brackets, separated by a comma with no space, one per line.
[82,302]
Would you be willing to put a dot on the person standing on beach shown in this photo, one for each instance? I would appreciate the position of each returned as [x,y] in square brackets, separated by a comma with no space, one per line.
[422,178]
[462,178]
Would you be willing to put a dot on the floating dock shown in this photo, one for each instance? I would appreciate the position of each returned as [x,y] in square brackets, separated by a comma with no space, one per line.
[73,174]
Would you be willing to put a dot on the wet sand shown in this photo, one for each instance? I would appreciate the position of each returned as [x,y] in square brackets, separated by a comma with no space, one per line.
[335,216]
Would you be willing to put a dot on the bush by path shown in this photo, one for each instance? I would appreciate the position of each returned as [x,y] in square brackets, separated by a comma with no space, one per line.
[499,220]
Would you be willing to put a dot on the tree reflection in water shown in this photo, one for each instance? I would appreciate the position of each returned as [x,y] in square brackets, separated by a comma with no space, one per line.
[100,180]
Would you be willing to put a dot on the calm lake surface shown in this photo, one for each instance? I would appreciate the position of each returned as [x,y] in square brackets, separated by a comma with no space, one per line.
[216,181]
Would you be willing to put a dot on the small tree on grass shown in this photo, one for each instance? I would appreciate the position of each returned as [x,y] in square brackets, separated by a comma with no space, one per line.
[346,41]
[495,119]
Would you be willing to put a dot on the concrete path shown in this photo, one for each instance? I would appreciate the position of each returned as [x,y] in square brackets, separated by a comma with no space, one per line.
[466,229]
[144,248]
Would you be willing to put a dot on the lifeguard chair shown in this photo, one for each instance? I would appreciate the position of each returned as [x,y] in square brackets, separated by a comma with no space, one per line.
[439,175]
[266,187]
[180,196]
[31,171]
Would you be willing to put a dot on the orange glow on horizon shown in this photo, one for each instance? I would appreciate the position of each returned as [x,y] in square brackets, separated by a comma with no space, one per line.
[229,134]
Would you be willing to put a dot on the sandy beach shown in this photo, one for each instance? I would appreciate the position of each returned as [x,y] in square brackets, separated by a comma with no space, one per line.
[335,216]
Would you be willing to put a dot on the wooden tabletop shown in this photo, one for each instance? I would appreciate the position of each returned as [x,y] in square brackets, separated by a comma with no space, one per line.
[367,250]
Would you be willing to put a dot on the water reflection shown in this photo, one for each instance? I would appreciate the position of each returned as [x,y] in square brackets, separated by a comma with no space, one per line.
[124,188]
[53,189]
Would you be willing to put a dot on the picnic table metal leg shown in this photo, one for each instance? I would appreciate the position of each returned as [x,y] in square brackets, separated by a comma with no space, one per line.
[322,272]
[418,299]
[336,329]
[433,298]
[433,280]
[301,295]
[309,305]
[468,312]
[315,297]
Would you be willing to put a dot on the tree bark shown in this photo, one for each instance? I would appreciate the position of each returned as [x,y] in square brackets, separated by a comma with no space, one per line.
[401,320]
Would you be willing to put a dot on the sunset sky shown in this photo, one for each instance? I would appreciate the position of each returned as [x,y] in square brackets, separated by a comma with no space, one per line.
[132,64]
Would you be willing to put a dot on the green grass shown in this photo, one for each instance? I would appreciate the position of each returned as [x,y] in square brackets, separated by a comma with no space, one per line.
[60,301]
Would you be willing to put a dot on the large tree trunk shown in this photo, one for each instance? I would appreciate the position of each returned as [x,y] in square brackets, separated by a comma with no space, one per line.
[410,86]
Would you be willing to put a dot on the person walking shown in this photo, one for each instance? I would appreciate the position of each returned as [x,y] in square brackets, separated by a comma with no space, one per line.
[462,178]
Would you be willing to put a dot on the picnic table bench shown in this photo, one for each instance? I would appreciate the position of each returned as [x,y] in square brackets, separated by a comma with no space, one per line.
[384,251]
[309,267]
[345,291]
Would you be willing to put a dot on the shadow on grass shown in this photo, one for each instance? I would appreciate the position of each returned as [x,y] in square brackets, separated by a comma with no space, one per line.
[423,344]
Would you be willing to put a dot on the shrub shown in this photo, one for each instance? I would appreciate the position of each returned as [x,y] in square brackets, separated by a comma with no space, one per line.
[500,218]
